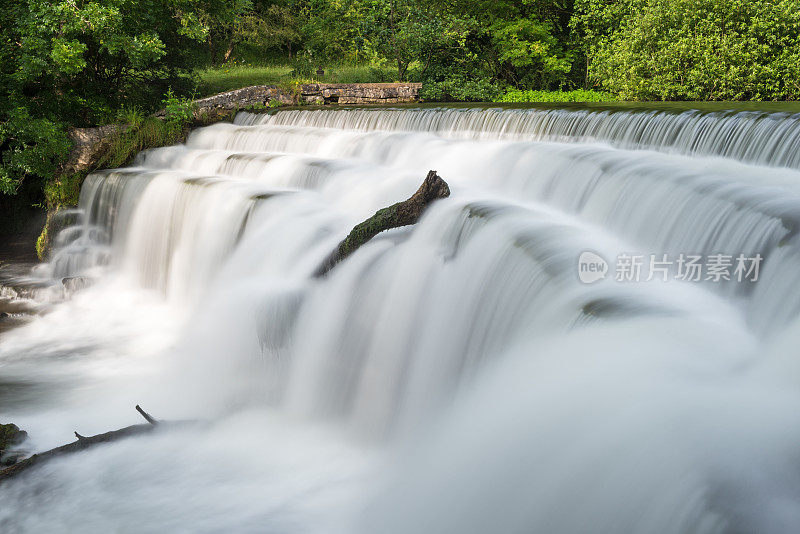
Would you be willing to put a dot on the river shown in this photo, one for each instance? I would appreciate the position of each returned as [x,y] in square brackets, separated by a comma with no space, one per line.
[596,332]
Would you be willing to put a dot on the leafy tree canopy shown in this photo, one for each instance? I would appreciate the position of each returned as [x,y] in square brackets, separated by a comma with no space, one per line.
[77,61]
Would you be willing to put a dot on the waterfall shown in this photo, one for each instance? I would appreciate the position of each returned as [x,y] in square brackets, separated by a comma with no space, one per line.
[751,136]
[459,375]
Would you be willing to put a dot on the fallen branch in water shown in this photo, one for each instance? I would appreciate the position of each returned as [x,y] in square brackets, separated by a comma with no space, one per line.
[146,415]
[401,214]
[83,443]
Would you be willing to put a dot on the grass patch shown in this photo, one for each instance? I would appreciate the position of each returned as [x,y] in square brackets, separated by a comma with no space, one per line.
[359,74]
[235,76]
[220,79]
[580,95]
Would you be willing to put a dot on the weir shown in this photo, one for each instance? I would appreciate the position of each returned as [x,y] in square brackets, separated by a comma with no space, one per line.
[459,375]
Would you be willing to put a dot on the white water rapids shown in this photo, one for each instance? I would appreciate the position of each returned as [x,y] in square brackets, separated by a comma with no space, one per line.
[451,377]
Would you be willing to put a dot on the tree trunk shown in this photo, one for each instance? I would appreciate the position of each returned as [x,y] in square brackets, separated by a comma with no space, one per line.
[229,50]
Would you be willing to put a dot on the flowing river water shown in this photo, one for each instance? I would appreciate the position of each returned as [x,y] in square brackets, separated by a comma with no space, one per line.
[533,356]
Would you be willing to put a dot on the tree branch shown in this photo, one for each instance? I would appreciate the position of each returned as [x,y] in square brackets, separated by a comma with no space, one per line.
[401,214]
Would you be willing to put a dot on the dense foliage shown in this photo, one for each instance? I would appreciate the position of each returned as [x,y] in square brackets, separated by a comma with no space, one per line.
[694,49]
[478,49]
[76,62]
[577,95]
[461,50]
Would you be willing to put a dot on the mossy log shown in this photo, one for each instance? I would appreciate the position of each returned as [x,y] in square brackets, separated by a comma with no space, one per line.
[401,214]
[83,443]
[10,436]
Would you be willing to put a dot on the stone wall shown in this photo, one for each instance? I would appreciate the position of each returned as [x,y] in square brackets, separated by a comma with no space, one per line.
[224,103]
[310,93]
[360,93]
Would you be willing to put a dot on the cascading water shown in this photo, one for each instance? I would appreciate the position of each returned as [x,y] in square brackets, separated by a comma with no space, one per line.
[455,376]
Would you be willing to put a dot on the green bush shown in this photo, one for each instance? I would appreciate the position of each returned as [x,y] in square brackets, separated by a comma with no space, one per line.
[579,95]
[179,111]
[701,50]
[460,89]
[303,66]
[132,116]
[152,132]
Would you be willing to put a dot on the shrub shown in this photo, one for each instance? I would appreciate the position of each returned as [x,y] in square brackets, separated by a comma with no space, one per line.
[702,50]
[179,111]
[460,88]
[579,95]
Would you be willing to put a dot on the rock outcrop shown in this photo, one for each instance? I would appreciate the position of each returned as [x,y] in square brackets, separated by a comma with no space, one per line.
[88,146]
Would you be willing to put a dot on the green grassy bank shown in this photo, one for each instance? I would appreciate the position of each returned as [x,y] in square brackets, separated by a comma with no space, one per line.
[237,75]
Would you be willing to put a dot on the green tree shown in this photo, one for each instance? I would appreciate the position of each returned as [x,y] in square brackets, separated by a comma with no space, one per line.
[31,147]
[407,31]
[84,57]
[258,24]
[331,30]
[523,43]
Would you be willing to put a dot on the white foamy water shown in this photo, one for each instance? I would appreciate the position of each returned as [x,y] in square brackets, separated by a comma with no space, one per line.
[451,377]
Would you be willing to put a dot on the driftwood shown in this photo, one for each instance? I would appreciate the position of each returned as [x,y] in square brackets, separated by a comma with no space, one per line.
[83,443]
[401,214]
[147,416]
